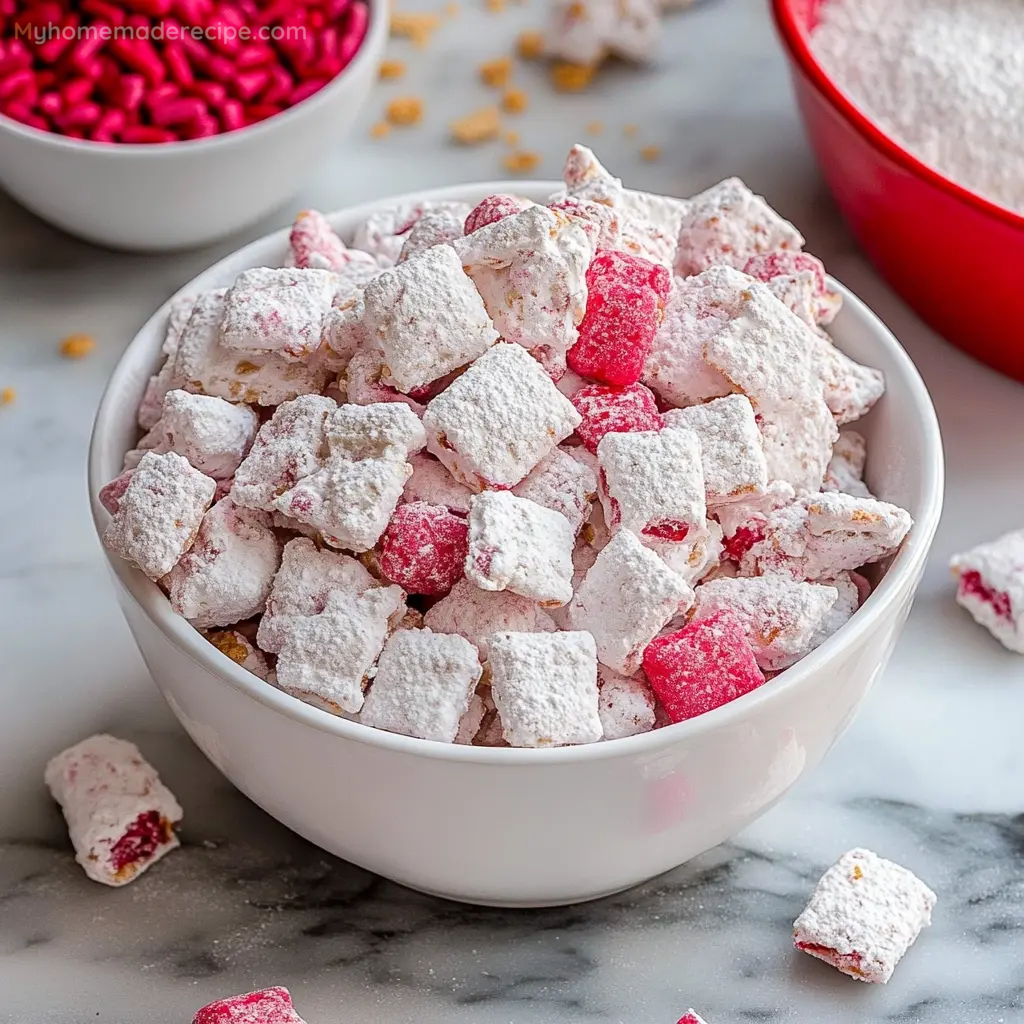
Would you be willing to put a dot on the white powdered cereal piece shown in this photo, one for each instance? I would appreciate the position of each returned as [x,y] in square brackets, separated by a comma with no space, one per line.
[851,389]
[212,434]
[226,576]
[120,816]
[158,515]
[626,705]
[625,599]
[693,557]
[494,423]
[563,484]
[849,586]
[431,482]
[472,721]
[235,646]
[423,685]
[477,614]
[991,587]
[545,688]
[427,318]
[730,445]
[586,32]
[364,382]
[384,430]
[287,449]
[384,232]
[516,544]
[602,224]
[435,227]
[781,616]
[864,914]
[344,332]
[728,224]
[279,311]
[845,470]
[326,658]
[652,482]
[164,379]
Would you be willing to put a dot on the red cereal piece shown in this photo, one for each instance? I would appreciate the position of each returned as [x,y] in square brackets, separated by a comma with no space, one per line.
[424,548]
[610,410]
[625,299]
[702,666]
[492,209]
[314,244]
[267,1006]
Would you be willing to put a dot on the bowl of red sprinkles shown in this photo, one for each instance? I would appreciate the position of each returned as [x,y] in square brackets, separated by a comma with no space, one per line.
[162,124]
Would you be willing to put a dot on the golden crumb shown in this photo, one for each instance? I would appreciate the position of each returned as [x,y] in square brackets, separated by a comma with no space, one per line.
[379,130]
[515,101]
[650,153]
[530,45]
[511,138]
[495,6]
[7,396]
[451,9]
[595,127]
[77,346]
[392,69]
[418,27]
[522,161]
[480,126]
[496,73]
[229,645]
[404,110]
[571,77]
[629,130]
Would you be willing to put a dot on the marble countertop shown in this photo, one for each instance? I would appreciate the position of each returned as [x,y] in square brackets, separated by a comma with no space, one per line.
[931,774]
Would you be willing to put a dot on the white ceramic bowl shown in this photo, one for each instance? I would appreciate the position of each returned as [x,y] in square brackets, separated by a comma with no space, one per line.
[184,194]
[529,827]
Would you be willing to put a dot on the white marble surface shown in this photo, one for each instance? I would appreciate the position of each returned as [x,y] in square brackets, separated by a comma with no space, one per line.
[931,774]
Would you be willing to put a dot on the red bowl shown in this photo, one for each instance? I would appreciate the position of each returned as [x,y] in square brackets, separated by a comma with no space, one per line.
[955,257]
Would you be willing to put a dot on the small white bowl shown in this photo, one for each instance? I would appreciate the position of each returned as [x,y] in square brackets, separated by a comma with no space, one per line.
[529,827]
[182,194]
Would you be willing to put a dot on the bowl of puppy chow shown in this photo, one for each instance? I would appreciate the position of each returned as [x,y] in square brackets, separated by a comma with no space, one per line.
[517,542]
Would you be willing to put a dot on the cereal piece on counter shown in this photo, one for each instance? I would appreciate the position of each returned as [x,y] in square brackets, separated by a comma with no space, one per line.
[165,379]
[314,244]
[493,208]
[691,1016]
[584,32]
[702,666]
[864,914]
[726,226]
[530,45]
[991,587]
[431,482]
[563,484]
[652,482]
[514,101]
[277,311]
[518,545]
[734,464]
[226,576]
[797,279]
[404,111]
[435,227]
[391,69]
[496,72]
[380,129]
[494,423]
[650,153]
[477,614]
[121,817]
[630,130]
[625,298]
[268,1006]
[325,658]
[845,470]
[423,685]
[7,396]
[159,513]
[781,617]
[626,705]
[545,688]
[77,346]
[237,647]
[214,435]
[479,126]
[424,548]
[363,376]
[287,449]
[427,318]
[626,597]
[416,26]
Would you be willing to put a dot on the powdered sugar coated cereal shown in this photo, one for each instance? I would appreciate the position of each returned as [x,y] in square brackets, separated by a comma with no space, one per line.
[845,470]
[314,245]
[584,32]
[563,484]
[165,378]
[626,705]
[435,227]
[991,587]
[691,1017]
[798,280]
[267,1006]
[493,208]
[364,376]
[431,482]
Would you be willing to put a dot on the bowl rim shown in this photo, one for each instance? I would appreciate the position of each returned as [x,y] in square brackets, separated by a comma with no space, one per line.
[373,40]
[796,39]
[153,603]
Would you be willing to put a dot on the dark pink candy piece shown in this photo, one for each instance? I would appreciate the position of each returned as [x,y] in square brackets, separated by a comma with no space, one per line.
[767,265]
[608,410]
[424,548]
[267,1006]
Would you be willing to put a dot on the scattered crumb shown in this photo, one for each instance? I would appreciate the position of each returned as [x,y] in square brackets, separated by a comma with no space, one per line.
[571,77]
[495,6]
[522,161]
[405,110]
[511,138]
[515,101]
[496,73]
[530,45]
[379,130]
[650,153]
[417,27]
[392,69]
[480,126]
[77,346]
[629,130]
[451,9]
[595,127]
[7,396]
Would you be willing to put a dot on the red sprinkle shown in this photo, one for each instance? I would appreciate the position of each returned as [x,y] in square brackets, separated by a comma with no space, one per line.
[971,583]
[607,410]
[424,548]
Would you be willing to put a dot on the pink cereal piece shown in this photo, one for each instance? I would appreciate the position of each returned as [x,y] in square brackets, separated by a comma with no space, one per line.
[424,548]
[110,494]
[726,226]
[798,279]
[227,575]
[314,243]
[236,646]
[212,434]
[563,484]
[602,223]
[652,483]
[159,513]
[121,817]
[625,299]
[431,482]
[691,1017]
[427,319]
[626,705]
[704,665]
[781,617]
[545,688]
[165,379]
[991,587]
[267,1006]
[363,378]
[496,421]
[625,598]
[607,410]
[730,443]
[435,227]
[845,471]
[278,311]
[493,208]
[863,916]
[516,544]
[383,233]
[694,557]
[423,685]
